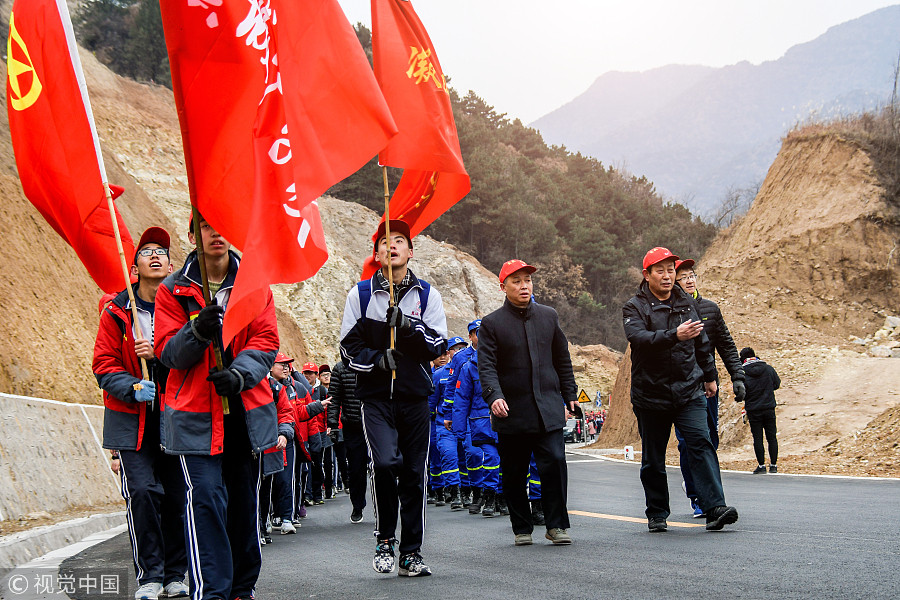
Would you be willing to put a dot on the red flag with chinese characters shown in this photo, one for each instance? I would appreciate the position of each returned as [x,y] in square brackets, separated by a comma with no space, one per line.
[53,136]
[277,103]
[427,145]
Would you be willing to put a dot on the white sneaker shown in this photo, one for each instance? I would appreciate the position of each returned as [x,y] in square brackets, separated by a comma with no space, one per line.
[149,591]
[287,527]
[177,589]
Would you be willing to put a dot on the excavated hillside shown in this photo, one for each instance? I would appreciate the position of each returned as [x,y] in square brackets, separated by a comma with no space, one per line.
[49,309]
[811,269]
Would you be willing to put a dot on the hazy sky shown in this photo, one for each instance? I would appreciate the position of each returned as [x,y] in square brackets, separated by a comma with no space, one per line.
[528,57]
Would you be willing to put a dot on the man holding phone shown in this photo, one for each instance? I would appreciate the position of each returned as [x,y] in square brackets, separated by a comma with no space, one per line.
[673,371]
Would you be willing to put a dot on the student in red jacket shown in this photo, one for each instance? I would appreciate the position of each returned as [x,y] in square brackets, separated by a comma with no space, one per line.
[219,453]
[151,480]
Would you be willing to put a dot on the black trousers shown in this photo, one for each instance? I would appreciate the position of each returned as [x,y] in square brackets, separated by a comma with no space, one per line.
[357,465]
[153,489]
[764,421]
[549,451]
[397,434]
[655,427]
[221,523]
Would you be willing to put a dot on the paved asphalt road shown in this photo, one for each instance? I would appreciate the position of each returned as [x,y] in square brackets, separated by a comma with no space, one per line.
[797,537]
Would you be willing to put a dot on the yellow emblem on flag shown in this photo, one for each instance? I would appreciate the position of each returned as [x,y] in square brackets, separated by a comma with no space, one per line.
[18,71]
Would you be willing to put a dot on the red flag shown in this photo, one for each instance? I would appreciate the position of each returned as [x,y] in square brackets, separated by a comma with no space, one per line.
[427,146]
[54,139]
[277,103]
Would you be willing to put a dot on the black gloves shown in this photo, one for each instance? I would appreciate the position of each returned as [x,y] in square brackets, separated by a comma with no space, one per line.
[228,382]
[389,360]
[740,390]
[396,318]
[208,322]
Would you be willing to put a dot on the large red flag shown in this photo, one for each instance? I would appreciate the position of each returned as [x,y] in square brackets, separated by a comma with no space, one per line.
[427,146]
[277,103]
[54,139]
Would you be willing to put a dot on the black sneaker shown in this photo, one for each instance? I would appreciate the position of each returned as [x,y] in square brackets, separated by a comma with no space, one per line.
[384,556]
[720,516]
[773,469]
[411,565]
[760,470]
[356,516]
[657,524]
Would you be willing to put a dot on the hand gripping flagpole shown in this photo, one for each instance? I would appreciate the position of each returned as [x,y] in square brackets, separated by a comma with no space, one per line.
[66,21]
[387,233]
[204,280]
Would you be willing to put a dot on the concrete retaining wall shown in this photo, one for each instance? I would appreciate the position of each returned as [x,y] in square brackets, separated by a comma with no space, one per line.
[51,460]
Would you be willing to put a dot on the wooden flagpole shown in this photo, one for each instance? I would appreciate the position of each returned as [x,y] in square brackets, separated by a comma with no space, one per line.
[387,233]
[204,280]
[134,316]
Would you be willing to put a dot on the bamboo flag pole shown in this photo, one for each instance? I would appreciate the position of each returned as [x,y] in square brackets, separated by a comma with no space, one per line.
[387,233]
[134,316]
[204,280]
[82,87]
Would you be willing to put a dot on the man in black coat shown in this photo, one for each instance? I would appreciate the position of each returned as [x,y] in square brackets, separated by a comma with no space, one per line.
[345,410]
[527,380]
[717,331]
[762,381]
[673,371]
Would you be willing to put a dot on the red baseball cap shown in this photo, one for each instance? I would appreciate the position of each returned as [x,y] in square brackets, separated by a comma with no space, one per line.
[281,357]
[310,367]
[154,235]
[397,226]
[684,264]
[657,255]
[511,266]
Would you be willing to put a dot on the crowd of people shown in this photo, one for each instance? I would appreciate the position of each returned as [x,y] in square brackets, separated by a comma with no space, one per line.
[219,446]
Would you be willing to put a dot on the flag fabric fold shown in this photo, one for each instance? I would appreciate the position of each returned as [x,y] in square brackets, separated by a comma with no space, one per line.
[54,139]
[427,145]
[277,103]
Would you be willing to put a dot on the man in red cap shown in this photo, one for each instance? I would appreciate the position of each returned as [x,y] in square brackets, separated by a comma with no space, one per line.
[393,385]
[673,371]
[317,437]
[527,380]
[720,338]
[151,480]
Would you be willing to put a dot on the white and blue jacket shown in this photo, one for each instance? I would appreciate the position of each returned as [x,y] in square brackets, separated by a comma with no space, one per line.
[365,336]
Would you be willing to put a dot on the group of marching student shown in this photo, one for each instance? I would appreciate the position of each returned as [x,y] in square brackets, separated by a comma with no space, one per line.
[214,448]
[464,461]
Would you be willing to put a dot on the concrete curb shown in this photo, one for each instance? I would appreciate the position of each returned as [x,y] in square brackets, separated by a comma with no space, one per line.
[19,548]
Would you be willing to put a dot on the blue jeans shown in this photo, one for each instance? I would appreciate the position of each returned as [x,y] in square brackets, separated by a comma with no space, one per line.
[712,419]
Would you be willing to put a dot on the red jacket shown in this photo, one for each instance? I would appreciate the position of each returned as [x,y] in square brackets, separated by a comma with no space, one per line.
[192,411]
[117,368]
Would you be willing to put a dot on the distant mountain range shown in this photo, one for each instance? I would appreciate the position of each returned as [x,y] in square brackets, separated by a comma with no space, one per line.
[696,131]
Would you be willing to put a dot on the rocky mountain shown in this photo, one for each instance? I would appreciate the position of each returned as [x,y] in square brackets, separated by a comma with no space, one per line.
[697,131]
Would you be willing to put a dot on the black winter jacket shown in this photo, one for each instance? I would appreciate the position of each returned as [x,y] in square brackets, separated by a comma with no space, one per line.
[344,403]
[761,382]
[717,331]
[665,373]
[523,357]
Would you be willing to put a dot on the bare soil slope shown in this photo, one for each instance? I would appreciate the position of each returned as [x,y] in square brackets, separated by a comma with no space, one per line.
[812,263]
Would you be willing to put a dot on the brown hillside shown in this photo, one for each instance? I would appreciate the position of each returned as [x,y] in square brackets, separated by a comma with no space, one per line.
[813,262]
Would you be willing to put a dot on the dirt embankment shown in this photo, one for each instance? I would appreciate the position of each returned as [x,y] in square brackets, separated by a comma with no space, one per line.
[813,263]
